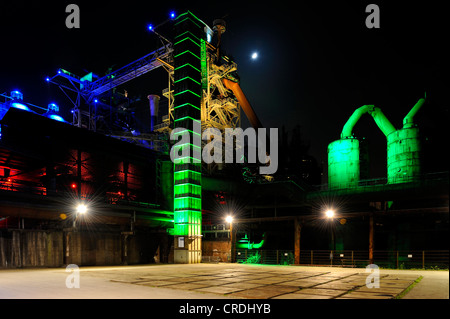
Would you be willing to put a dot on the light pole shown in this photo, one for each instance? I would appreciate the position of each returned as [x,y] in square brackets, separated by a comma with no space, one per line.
[330,215]
[229,219]
[81,209]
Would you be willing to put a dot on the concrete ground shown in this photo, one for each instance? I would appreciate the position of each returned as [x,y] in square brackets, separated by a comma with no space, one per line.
[219,281]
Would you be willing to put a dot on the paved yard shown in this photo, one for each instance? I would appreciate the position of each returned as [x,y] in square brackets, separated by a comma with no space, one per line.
[203,281]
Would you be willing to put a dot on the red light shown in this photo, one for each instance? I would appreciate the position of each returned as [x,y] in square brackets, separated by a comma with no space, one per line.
[9,179]
[74,185]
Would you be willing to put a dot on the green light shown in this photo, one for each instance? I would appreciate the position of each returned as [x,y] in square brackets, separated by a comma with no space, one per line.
[187,175]
[187,32]
[186,118]
[186,131]
[185,146]
[187,64]
[204,65]
[186,91]
[188,188]
[183,203]
[187,78]
[188,19]
[184,52]
[187,38]
[195,107]
[188,12]
[187,160]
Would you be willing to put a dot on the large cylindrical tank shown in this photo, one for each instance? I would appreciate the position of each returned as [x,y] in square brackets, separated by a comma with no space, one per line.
[344,163]
[403,155]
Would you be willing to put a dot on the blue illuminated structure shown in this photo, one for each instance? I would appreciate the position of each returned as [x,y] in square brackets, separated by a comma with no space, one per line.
[16,95]
[56,118]
[20,106]
[89,91]
[52,113]
[17,101]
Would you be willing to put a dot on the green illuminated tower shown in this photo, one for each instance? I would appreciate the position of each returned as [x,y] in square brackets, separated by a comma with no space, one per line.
[187,170]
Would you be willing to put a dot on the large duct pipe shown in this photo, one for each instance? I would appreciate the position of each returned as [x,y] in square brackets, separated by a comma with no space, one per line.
[380,119]
[382,122]
[347,131]
[154,107]
[245,104]
[408,121]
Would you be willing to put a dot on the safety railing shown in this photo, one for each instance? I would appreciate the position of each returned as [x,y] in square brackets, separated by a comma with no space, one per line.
[395,259]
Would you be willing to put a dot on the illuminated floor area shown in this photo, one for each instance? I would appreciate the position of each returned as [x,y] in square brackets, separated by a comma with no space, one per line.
[267,282]
[218,281]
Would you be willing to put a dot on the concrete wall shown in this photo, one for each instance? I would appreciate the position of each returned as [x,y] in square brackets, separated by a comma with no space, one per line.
[93,248]
[31,249]
[39,248]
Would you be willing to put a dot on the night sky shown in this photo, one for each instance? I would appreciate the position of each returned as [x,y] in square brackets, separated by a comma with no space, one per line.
[317,62]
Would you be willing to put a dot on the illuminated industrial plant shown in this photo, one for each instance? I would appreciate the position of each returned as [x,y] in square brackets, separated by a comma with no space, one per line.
[103,140]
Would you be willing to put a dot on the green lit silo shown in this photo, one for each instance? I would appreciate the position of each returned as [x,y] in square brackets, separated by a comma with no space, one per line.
[348,157]
[344,162]
[404,150]
[403,155]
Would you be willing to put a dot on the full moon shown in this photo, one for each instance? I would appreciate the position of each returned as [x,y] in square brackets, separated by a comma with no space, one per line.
[254,55]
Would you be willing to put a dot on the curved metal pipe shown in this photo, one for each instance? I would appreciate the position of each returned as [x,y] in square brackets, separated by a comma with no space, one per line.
[245,104]
[382,122]
[354,118]
[380,119]
[408,121]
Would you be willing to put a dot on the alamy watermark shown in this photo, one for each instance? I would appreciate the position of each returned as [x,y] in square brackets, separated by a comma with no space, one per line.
[73,19]
[73,280]
[373,279]
[232,144]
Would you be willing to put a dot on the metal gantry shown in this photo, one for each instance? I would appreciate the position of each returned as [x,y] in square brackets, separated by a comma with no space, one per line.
[90,91]
[220,107]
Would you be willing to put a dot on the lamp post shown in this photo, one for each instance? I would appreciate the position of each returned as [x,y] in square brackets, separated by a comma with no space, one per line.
[81,209]
[330,215]
[229,219]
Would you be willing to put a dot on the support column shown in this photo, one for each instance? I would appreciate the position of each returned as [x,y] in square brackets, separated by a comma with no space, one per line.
[371,239]
[297,232]
[187,125]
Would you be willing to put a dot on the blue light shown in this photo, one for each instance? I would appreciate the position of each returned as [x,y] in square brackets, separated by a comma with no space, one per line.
[150,27]
[53,107]
[47,79]
[16,95]
[56,118]
[20,106]
[95,101]
[172,15]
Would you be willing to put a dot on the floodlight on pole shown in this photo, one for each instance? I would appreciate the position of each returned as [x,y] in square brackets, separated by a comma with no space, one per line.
[82,209]
[329,213]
